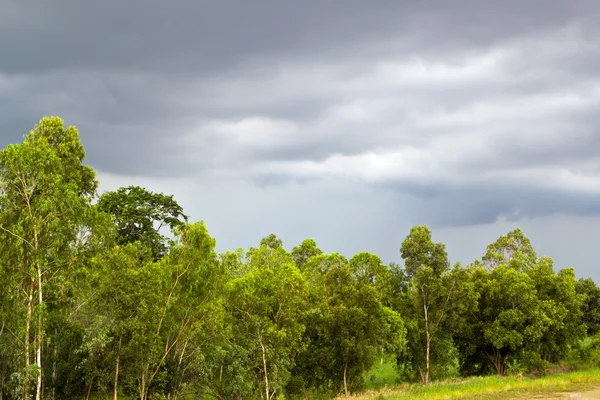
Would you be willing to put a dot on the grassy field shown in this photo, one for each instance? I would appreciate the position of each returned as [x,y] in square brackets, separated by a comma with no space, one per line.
[585,383]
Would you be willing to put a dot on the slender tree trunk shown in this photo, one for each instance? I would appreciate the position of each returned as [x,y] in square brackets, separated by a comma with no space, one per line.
[421,374]
[40,337]
[428,343]
[87,396]
[3,382]
[55,354]
[346,379]
[264,357]
[143,387]
[26,384]
[427,358]
[499,364]
[115,392]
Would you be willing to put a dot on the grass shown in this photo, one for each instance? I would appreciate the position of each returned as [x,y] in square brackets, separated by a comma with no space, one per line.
[491,387]
[381,375]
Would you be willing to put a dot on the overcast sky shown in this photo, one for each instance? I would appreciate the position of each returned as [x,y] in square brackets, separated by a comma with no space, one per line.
[345,121]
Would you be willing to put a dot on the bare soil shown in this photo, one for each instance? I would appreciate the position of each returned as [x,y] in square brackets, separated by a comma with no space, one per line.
[582,395]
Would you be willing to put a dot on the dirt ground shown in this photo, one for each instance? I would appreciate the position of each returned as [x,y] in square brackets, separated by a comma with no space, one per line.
[584,395]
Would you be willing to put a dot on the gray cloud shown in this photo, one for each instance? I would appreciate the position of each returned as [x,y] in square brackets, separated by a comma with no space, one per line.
[451,113]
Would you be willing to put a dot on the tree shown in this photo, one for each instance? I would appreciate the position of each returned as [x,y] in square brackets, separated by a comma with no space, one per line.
[591,304]
[152,321]
[345,325]
[46,195]
[267,304]
[304,252]
[140,215]
[431,296]
[508,324]
[514,248]
[271,241]
[527,315]
[560,302]
[369,268]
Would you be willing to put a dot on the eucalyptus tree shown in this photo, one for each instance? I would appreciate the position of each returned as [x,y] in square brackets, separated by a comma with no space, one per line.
[527,315]
[304,252]
[346,323]
[267,305]
[154,325]
[508,325]
[434,298]
[590,304]
[46,192]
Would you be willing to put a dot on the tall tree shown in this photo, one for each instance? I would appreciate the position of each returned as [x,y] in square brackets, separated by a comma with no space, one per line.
[513,248]
[140,215]
[46,196]
[560,302]
[271,241]
[304,252]
[591,304]
[346,324]
[508,324]
[268,304]
[431,296]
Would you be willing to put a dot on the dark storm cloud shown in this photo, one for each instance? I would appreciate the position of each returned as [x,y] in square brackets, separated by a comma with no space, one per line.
[157,35]
[450,102]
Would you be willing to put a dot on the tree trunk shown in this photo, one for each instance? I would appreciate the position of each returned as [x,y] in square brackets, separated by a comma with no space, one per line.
[499,364]
[264,357]
[346,379]
[3,382]
[115,396]
[87,396]
[55,354]
[427,351]
[26,384]
[40,337]
[143,387]
[305,394]
[428,343]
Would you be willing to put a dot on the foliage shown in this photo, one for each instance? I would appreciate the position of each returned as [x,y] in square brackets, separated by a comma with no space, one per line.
[591,304]
[140,214]
[432,302]
[127,299]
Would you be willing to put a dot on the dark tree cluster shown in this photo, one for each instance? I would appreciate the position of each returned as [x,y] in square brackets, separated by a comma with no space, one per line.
[119,296]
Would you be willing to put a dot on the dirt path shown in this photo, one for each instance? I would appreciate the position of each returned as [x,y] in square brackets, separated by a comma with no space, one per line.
[582,395]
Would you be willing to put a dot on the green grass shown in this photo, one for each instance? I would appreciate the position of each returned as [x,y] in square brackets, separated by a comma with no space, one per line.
[492,387]
[381,375]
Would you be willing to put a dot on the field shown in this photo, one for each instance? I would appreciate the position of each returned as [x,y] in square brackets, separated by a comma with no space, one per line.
[580,385]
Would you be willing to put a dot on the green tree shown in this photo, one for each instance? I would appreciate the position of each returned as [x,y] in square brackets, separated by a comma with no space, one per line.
[590,305]
[304,252]
[514,249]
[345,325]
[431,299]
[140,215]
[267,304]
[271,241]
[152,322]
[509,324]
[527,315]
[45,201]
[560,302]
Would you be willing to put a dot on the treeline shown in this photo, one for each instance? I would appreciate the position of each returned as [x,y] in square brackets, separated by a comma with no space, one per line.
[97,301]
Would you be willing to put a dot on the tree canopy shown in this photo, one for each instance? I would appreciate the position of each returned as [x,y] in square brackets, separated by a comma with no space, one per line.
[119,295]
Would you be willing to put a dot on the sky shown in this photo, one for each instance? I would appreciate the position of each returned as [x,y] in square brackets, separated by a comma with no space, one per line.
[343,121]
